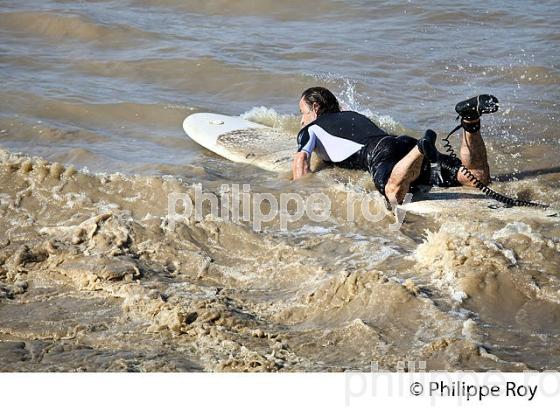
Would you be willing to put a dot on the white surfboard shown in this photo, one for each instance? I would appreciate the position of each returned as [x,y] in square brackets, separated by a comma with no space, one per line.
[239,140]
[458,201]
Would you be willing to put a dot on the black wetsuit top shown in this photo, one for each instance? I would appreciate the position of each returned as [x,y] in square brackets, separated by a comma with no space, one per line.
[336,136]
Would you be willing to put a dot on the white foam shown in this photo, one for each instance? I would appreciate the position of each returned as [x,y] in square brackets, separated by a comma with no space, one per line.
[515,228]
[313,229]
[458,295]
[270,117]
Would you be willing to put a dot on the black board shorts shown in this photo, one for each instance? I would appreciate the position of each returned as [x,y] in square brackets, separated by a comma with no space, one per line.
[380,156]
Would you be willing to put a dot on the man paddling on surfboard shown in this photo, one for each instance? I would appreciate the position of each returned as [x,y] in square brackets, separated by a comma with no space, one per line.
[396,163]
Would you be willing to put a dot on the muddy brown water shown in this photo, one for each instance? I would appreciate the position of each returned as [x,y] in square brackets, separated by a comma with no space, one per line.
[93,279]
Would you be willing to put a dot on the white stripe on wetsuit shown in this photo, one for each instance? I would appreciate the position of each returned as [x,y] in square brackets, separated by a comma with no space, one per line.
[335,148]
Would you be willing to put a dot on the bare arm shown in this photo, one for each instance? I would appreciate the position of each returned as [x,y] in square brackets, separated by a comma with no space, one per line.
[300,165]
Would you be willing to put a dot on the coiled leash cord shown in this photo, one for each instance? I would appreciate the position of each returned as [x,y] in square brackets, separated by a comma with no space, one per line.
[481,186]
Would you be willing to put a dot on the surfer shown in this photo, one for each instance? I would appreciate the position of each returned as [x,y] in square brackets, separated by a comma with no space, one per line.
[396,163]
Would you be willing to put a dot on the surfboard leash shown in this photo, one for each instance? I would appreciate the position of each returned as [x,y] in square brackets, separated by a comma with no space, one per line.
[479,184]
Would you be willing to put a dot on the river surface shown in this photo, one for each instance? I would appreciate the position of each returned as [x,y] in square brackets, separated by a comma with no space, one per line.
[91,105]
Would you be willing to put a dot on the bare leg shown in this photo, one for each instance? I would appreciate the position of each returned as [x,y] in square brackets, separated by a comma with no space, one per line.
[473,157]
[406,171]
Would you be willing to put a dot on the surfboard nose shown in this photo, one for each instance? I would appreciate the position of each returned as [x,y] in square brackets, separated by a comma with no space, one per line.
[205,128]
